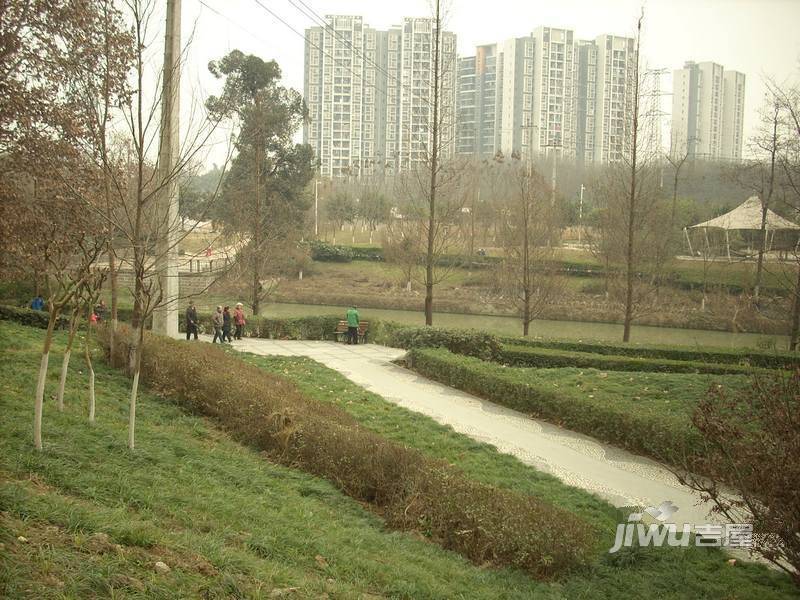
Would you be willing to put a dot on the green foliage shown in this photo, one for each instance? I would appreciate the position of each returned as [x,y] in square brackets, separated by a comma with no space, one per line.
[546,358]
[770,360]
[231,524]
[324,252]
[31,318]
[467,342]
[292,328]
[341,209]
[410,490]
[646,413]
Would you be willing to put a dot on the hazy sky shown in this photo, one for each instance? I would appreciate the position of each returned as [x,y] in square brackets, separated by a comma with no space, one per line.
[757,37]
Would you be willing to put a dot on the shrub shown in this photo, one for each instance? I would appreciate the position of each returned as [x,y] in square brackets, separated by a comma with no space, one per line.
[751,441]
[770,360]
[468,342]
[410,490]
[526,356]
[31,318]
[323,252]
[294,328]
[668,437]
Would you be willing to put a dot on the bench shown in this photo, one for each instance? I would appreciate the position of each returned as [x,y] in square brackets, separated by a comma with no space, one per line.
[341,331]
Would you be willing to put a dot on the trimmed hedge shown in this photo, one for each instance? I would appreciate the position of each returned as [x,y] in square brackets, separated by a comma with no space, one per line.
[547,358]
[31,318]
[467,342]
[770,360]
[671,437]
[410,490]
[293,328]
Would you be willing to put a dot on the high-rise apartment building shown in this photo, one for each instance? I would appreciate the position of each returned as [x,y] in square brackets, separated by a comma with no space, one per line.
[477,121]
[699,113]
[515,97]
[732,115]
[586,100]
[554,99]
[370,94]
[613,102]
[414,76]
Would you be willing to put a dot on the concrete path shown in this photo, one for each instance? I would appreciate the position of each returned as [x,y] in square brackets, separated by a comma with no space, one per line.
[622,478]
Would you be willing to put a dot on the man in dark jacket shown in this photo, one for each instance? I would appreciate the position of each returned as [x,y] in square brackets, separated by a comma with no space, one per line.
[227,319]
[191,320]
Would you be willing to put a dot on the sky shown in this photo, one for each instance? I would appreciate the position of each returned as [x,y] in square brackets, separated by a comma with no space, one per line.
[756,37]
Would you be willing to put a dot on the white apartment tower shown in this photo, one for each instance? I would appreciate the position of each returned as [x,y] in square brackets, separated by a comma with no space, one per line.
[554,98]
[703,126]
[515,91]
[732,115]
[616,68]
[370,94]
[414,92]
[477,103]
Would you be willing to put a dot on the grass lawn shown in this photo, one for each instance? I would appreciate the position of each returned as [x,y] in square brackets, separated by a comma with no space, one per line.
[640,574]
[96,517]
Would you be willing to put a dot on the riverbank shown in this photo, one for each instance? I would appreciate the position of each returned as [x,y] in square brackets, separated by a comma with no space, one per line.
[475,292]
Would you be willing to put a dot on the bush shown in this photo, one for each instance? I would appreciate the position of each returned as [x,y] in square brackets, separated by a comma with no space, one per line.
[668,437]
[410,490]
[547,358]
[468,342]
[751,442]
[31,318]
[770,360]
[323,252]
[368,253]
[294,328]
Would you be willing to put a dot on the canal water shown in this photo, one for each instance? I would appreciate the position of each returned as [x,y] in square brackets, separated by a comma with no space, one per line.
[567,330]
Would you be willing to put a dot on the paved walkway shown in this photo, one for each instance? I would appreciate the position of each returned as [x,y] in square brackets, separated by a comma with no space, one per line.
[622,478]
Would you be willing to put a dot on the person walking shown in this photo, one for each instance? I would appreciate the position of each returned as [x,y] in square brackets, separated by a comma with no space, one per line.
[100,310]
[227,319]
[352,325]
[218,320]
[238,320]
[191,320]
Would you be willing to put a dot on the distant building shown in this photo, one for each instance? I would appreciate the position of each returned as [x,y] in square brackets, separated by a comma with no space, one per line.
[547,93]
[370,93]
[554,85]
[703,124]
[515,97]
[732,115]
[477,103]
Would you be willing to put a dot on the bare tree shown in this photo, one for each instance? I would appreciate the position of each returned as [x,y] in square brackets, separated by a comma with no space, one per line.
[787,100]
[529,233]
[630,202]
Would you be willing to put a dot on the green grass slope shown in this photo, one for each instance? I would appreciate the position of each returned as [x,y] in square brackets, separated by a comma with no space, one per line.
[95,517]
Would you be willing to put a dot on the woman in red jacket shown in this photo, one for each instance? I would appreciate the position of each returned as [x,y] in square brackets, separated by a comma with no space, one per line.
[238,320]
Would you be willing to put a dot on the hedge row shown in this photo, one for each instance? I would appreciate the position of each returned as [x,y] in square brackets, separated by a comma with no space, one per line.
[294,328]
[669,438]
[31,318]
[770,360]
[467,342]
[527,356]
[410,490]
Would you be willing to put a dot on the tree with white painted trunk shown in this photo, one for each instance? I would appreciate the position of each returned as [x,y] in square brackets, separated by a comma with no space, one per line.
[138,209]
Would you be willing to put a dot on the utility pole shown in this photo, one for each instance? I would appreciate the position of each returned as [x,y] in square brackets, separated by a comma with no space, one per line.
[165,317]
[316,208]
[580,215]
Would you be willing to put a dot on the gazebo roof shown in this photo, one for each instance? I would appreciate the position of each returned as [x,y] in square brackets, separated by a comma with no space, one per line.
[747,216]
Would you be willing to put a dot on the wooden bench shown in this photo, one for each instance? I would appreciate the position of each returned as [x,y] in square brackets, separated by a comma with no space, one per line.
[341,331]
